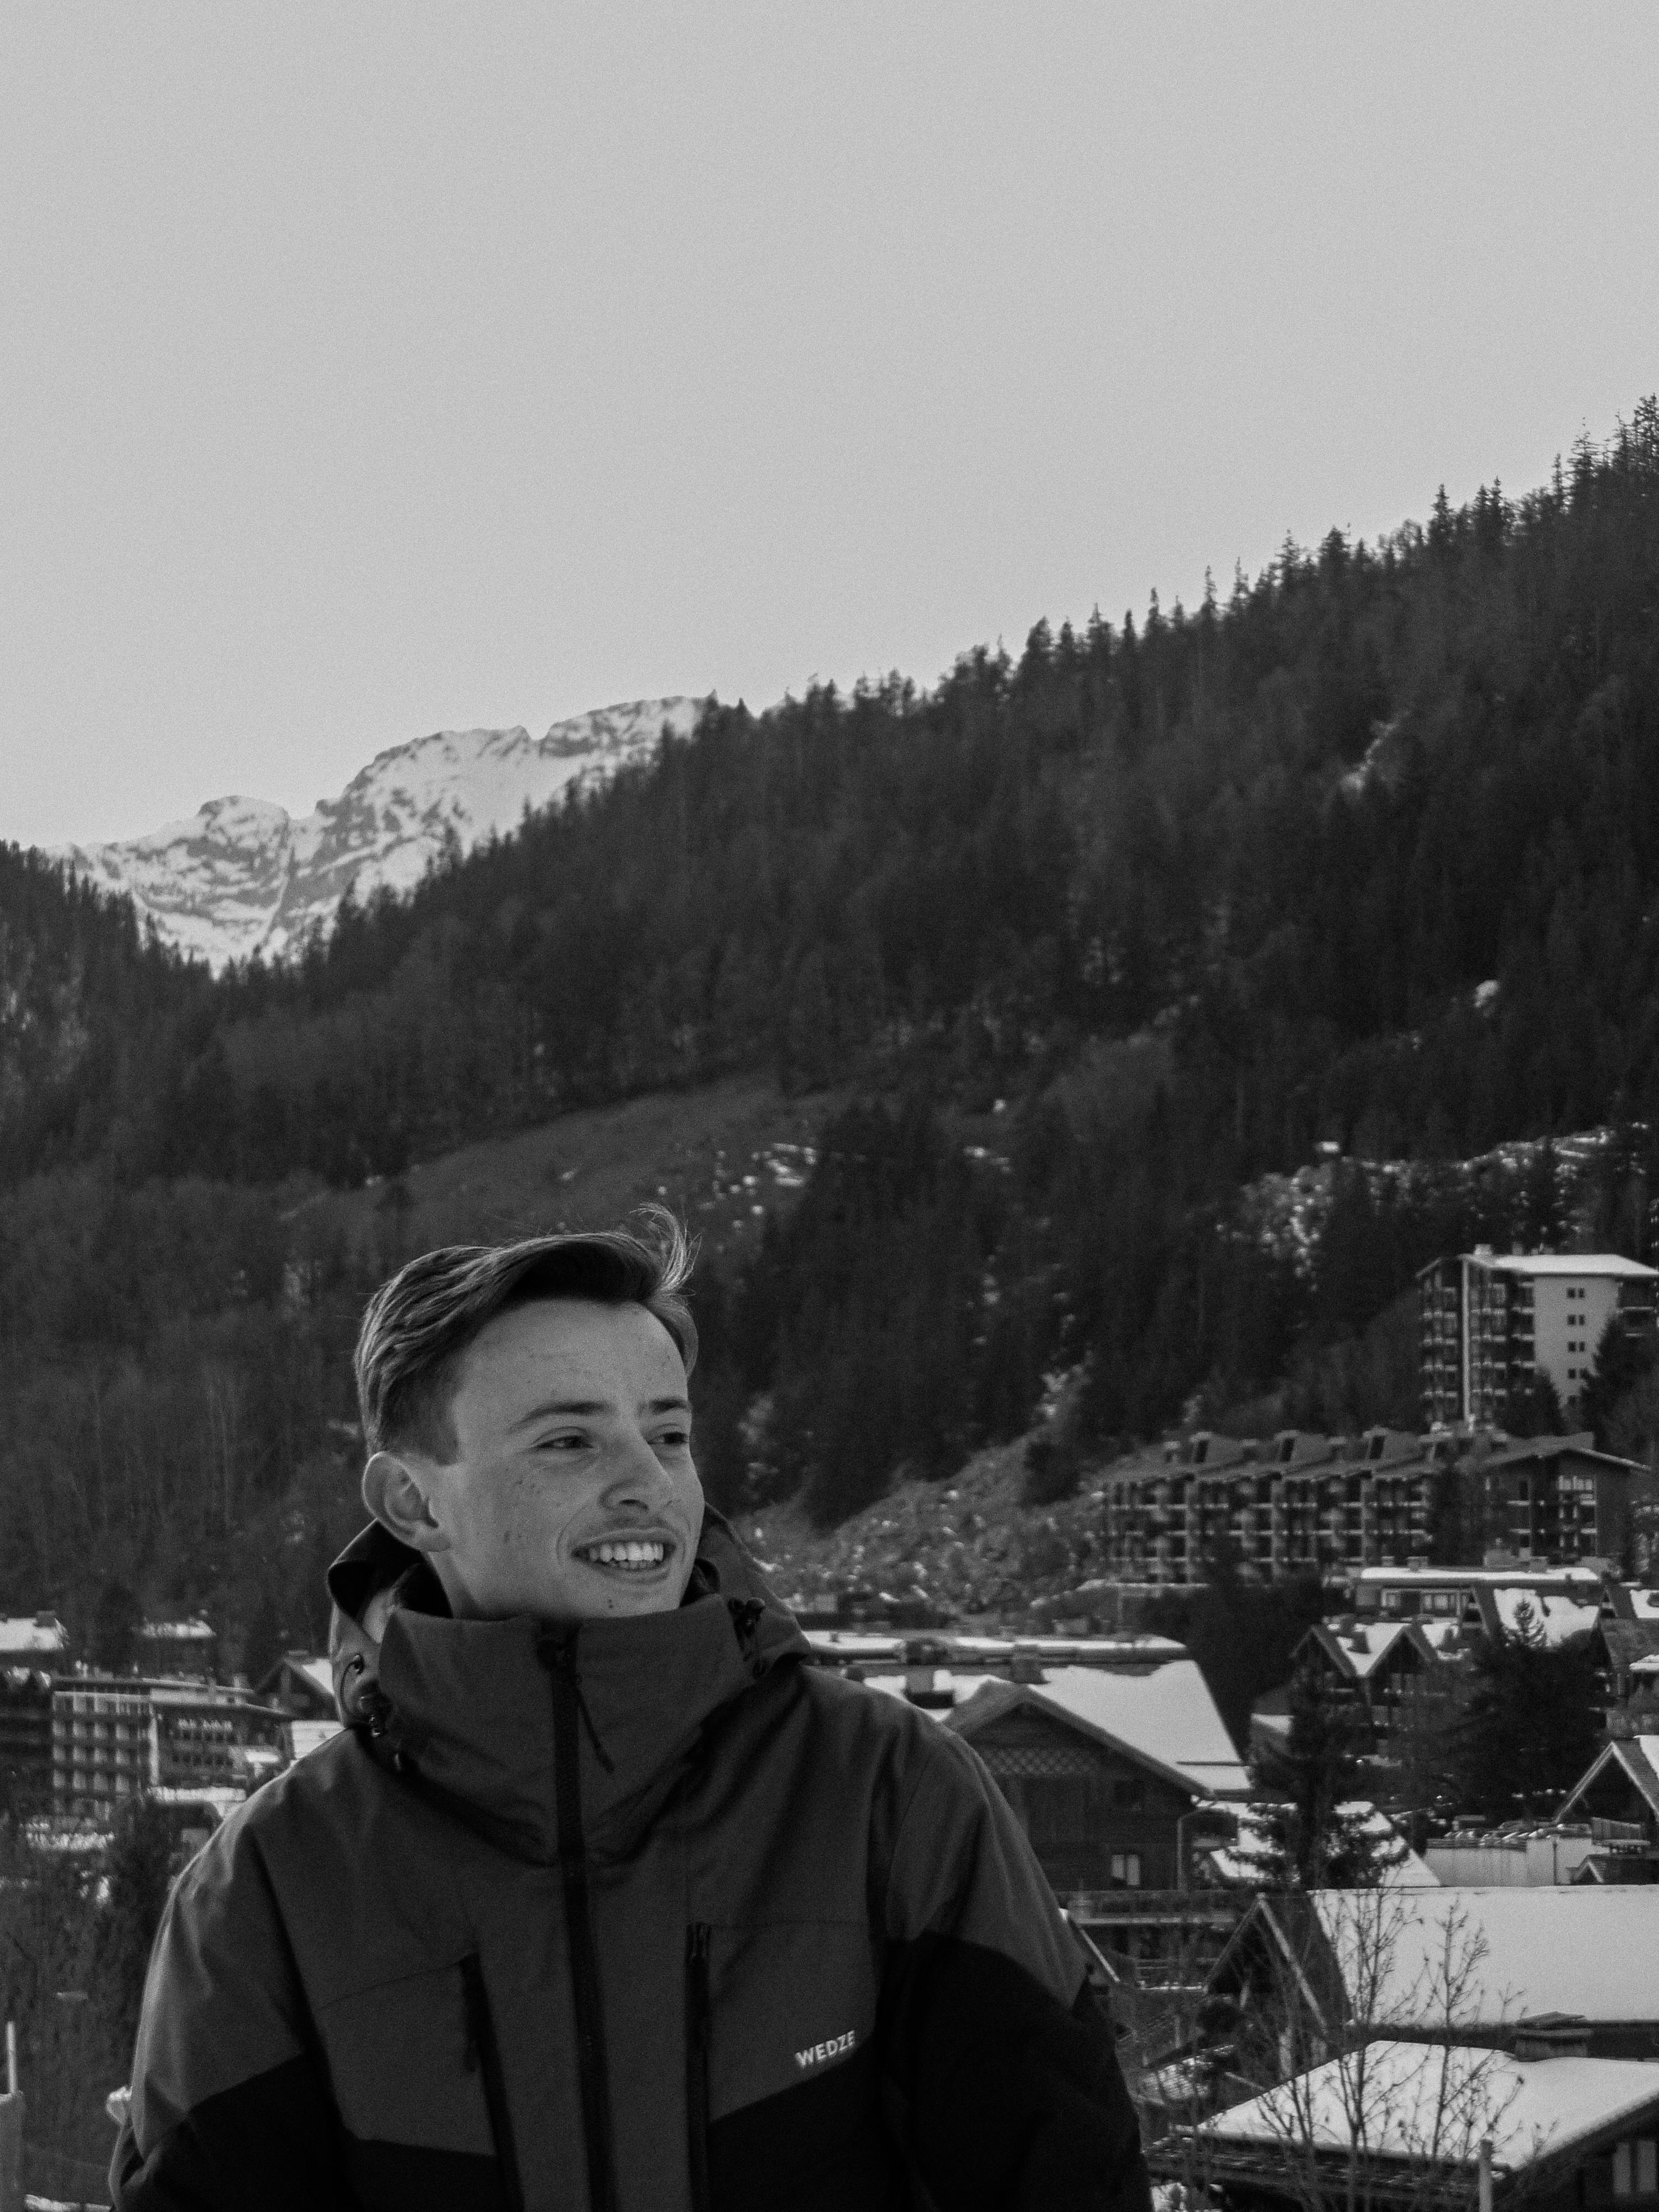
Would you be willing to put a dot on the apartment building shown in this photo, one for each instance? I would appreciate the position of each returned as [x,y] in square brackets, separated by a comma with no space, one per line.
[1301,1503]
[1488,1322]
[116,1736]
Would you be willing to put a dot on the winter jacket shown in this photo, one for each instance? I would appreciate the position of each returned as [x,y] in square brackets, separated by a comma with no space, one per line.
[644,1915]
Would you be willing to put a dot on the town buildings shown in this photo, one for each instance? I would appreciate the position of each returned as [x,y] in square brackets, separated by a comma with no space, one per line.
[1398,2127]
[115,1736]
[1489,1322]
[1301,1503]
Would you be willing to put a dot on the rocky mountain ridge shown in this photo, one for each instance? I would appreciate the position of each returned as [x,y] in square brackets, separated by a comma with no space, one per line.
[243,876]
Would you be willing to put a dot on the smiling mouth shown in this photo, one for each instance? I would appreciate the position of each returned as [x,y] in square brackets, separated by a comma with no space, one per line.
[632,1555]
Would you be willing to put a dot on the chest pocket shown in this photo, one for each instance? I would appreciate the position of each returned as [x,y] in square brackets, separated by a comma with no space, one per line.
[781,2042]
[417,2081]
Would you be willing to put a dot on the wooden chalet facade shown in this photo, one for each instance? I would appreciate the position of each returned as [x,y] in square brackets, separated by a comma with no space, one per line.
[1100,1813]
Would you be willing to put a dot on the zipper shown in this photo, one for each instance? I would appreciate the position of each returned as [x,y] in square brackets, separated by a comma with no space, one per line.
[696,2062]
[567,1715]
[484,2051]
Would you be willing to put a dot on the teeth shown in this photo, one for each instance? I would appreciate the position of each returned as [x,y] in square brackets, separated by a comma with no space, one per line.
[631,1553]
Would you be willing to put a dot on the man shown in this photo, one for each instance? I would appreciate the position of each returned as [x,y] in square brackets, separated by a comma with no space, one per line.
[604,1900]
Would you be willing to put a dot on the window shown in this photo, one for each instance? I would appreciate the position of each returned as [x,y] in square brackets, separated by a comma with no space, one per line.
[1636,2169]
[1126,1871]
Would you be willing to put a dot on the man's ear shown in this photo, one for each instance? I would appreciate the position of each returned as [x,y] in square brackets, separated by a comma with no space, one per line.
[395,1494]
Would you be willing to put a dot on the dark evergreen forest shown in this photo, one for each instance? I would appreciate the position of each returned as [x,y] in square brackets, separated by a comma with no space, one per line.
[1364,855]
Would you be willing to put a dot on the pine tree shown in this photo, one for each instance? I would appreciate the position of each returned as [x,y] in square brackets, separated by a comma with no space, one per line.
[1315,1827]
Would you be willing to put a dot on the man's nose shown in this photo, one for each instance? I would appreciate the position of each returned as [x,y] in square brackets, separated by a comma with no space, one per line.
[635,1474]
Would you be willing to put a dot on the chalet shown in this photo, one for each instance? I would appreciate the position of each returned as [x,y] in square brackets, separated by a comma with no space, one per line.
[1388,1670]
[1483,1967]
[1619,1790]
[301,1683]
[1554,2129]
[1102,1812]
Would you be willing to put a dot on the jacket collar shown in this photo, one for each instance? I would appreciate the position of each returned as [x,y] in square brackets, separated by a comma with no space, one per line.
[466,1706]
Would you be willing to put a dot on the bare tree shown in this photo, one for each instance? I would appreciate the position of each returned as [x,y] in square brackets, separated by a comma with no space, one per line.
[1369,2098]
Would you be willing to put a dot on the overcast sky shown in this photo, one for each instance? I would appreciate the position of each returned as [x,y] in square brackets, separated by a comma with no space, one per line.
[371,369]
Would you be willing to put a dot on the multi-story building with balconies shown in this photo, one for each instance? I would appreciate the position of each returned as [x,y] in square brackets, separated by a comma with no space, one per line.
[116,1736]
[1335,1506]
[1489,1323]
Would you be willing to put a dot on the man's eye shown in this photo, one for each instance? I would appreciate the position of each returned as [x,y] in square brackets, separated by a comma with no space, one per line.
[674,1439]
[562,1443]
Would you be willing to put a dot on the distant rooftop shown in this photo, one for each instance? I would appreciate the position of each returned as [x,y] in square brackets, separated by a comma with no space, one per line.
[1586,1952]
[27,1634]
[1564,1263]
[1530,2108]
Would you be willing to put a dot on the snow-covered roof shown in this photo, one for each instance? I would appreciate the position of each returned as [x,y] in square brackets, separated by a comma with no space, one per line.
[26,1635]
[1639,1755]
[854,1643]
[1164,1713]
[178,1631]
[1645,1601]
[317,1671]
[1443,1638]
[1558,1618]
[311,1736]
[1438,2102]
[1570,1264]
[1361,1646]
[1587,1951]
[1444,1578]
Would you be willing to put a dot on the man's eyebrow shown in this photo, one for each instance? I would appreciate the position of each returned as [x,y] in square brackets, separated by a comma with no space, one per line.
[590,1407]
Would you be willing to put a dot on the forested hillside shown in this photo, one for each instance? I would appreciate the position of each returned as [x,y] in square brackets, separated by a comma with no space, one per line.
[1365,855]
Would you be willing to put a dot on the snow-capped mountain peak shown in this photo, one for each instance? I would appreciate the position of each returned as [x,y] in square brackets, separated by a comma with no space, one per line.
[243,875]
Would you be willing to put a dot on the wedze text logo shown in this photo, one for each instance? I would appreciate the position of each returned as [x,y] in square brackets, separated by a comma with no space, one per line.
[820,2051]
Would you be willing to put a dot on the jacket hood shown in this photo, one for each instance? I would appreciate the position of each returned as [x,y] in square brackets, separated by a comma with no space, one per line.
[466,1706]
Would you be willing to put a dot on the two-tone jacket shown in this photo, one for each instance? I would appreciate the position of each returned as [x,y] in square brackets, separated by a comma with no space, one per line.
[641,1916]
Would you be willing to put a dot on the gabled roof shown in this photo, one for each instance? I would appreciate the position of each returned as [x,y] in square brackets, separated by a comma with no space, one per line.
[1357,1652]
[310,1674]
[1635,1756]
[1162,1713]
[1165,1712]
[1560,1615]
[1586,1952]
[1380,1959]
[994,1700]
[1532,2109]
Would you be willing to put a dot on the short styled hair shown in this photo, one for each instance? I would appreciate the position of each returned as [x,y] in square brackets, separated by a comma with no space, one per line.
[418,1326]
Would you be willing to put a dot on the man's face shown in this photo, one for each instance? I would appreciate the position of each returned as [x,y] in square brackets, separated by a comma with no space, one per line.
[572,1494]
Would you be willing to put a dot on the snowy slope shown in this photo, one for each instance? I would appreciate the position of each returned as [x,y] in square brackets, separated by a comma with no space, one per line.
[244,876]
